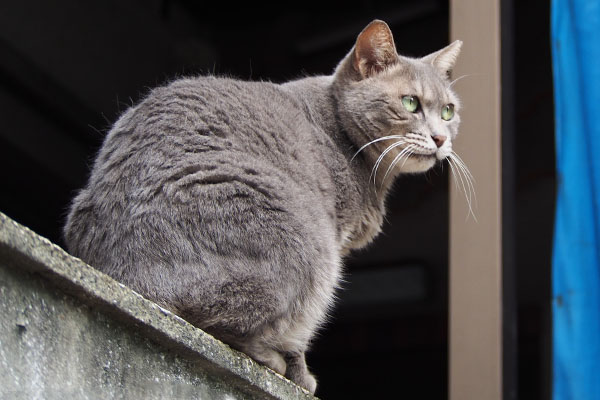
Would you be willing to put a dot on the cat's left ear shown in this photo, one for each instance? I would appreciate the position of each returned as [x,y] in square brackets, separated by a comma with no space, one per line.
[445,59]
[374,50]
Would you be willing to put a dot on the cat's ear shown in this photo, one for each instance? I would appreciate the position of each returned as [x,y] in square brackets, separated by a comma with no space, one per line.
[445,59]
[374,50]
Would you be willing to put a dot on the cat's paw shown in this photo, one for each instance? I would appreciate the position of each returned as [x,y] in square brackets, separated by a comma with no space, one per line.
[271,359]
[309,383]
[298,373]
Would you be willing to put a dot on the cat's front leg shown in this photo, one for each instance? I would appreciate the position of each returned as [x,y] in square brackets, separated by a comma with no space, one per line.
[265,355]
[298,372]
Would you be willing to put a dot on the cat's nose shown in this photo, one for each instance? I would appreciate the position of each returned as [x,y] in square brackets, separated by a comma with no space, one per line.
[439,140]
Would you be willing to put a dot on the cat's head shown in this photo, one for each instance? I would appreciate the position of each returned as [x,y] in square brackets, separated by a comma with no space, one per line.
[400,112]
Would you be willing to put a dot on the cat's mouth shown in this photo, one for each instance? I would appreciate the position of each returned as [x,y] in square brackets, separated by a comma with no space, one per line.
[422,156]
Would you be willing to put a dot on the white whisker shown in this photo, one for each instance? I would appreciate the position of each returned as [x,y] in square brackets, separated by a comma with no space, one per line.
[375,141]
[459,173]
[405,153]
[452,161]
[456,80]
[380,159]
[459,168]
[453,174]
[464,165]
[468,177]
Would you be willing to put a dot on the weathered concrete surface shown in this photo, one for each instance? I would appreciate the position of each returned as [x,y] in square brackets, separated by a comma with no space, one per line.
[69,331]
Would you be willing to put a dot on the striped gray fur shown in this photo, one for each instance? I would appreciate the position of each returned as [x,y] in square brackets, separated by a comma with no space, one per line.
[233,203]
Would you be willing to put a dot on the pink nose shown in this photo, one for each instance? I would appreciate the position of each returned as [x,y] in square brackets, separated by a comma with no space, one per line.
[439,140]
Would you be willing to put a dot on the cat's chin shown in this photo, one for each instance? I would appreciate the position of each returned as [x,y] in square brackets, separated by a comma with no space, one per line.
[418,163]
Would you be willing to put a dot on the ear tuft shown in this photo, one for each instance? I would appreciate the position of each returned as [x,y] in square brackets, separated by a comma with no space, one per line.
[374,50]
[445,59]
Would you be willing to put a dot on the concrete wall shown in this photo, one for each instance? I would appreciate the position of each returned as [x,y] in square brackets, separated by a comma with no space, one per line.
[69,331]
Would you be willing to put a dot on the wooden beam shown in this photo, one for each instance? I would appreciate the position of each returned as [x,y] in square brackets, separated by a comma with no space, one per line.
[476,246]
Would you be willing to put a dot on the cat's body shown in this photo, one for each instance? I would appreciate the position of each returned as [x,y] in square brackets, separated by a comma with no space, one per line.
[232,203]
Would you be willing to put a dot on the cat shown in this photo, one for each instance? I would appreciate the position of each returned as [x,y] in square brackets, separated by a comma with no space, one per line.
[232,203]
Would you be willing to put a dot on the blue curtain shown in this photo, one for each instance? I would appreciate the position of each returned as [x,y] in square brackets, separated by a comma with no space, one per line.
[576,257]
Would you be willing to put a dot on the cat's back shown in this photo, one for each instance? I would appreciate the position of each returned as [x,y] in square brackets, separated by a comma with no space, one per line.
[190,145]
[223,107]
[203,121]
[212,114]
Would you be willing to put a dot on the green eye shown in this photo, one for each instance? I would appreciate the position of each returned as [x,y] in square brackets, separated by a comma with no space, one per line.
[448,112]
[411,103]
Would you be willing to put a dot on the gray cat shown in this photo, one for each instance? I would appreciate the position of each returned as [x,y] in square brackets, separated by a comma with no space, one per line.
[232,203]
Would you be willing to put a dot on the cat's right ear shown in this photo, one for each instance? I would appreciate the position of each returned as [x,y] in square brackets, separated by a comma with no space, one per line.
[374,50]
[443,60]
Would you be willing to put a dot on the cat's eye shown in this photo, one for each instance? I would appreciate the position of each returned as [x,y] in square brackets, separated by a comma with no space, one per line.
[448,112]
[411,103]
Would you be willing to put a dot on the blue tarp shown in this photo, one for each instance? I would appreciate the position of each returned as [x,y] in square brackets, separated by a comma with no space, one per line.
[576,258]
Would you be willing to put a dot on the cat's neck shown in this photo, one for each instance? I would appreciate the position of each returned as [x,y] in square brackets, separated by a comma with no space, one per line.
[316,97]
[314,93]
